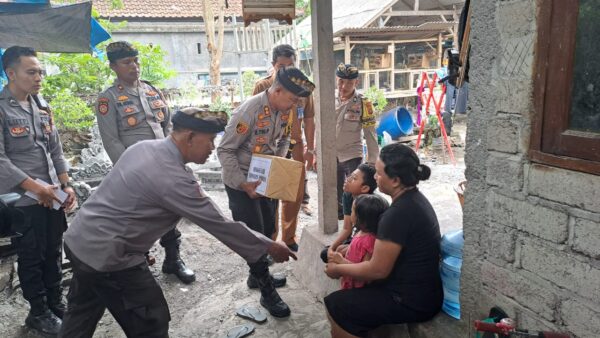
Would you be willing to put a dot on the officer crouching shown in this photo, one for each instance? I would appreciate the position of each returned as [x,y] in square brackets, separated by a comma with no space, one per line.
[109,236]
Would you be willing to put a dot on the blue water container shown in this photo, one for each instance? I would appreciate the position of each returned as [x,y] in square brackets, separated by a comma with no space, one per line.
[452,244]
[396,122]
[450,273]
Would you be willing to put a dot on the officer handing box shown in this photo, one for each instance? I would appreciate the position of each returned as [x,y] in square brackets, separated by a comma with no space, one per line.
[280,177]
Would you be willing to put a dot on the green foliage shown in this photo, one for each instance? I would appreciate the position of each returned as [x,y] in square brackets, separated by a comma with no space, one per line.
[154,67]
[221,105]
[249,78]
[303,8]
[378,98]
[71,112]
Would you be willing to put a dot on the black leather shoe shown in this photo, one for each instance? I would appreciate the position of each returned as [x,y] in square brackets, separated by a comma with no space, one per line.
[55,302]
[293,247]
[279,280]
[179,269]
[275,305]
[58,309]
[46,322]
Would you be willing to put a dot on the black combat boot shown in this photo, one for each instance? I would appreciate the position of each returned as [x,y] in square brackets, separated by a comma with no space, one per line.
[40,318]
[269,298]
[278,281]
[173,264]
[56,303]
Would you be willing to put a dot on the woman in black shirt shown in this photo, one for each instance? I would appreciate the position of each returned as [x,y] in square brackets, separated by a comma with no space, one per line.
[404,269]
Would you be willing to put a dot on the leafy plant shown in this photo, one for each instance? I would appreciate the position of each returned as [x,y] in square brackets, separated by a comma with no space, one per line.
[221,104]
[378,98]
[154,67]
[249,78]
[71,112]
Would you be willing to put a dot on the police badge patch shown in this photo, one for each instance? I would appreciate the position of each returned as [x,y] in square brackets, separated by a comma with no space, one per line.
[241,128]
[103,105]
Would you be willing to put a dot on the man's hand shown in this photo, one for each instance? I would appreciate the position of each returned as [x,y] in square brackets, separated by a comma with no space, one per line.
[71,201]
[250,188]
[309,158]
[46,195]
[331,271]
[280,252]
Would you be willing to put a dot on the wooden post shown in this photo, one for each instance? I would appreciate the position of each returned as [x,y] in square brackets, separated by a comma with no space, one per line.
[324,75]
[440,51]
[347,50]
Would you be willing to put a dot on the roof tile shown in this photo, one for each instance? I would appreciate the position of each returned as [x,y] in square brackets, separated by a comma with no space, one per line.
[176,9]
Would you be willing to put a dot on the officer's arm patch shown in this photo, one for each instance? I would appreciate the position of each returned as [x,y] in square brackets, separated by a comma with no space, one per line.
[241,128]
[103,105]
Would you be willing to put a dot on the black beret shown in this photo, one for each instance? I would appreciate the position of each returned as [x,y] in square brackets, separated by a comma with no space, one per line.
[120,49]
[346,71]
[292,79]
[201,120]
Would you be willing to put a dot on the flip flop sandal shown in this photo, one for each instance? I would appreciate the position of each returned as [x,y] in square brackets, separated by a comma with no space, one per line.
[252,313]
[240,331]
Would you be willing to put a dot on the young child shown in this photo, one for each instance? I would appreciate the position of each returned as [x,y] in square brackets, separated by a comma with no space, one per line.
[361,181]
[366,212]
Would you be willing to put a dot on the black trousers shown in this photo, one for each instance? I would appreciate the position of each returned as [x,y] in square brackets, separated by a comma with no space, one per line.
[344,169]
[39,250]
[259,215]
[132,296]
[171,238]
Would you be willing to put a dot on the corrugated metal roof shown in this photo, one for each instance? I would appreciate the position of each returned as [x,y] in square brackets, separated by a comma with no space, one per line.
[434,27]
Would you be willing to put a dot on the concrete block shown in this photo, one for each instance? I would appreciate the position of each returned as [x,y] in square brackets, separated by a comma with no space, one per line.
[561,268]
[580,319]
[515,18]
[503,135]
[537,220]
[573,188]
[310,268]
[586,237]
[505,171]
[514,95]
[500,242]
[529,291]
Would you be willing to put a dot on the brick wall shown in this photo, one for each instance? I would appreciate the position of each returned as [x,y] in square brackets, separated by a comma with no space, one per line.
[532,232]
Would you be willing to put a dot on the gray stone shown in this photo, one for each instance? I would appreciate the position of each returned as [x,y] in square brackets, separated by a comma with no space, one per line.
[505,171]
[586,237]
[561,268]
[503,136]
[573,188]
[580,319]
[535,219]
[6,271]
[500,242]
[535,295]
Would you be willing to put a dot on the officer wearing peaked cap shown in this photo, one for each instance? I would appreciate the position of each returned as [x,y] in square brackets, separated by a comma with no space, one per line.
[130,111]
[355,119]
[108,237]
[260,125]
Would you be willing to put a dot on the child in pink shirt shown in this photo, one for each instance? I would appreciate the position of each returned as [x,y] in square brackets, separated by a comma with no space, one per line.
[366,211]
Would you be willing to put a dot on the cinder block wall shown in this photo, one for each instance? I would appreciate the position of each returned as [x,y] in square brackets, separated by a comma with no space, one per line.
[532,232]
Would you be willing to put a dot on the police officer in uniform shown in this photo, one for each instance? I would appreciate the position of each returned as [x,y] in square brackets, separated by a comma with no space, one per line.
[285,56]
[354,114]
[30,149]
[260,125]
[109,236]
[130,111]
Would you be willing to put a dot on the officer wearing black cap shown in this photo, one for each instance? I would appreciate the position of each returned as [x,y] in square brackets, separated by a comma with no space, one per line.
[108,237]
[260,125]
[354,114]
[130,111]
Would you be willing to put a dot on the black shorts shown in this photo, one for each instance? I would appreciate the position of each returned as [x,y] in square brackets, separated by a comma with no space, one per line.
[359,311]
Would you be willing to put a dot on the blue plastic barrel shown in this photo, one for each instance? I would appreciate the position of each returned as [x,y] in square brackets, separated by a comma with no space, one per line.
[396,122]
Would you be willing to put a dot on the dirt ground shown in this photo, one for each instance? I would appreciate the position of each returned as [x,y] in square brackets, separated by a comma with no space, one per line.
[206,308]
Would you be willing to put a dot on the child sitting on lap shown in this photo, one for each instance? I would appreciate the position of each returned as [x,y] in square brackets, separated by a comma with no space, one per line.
[366,212]
[361,181]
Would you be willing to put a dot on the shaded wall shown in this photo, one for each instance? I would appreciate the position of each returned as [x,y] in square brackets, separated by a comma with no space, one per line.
[532,232]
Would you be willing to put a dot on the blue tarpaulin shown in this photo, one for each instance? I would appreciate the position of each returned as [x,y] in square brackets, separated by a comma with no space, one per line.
[37,24]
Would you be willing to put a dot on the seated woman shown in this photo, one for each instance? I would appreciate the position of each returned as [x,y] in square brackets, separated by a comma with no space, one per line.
[404,268]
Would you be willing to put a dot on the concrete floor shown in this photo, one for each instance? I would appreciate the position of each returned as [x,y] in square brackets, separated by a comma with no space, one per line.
[207,307]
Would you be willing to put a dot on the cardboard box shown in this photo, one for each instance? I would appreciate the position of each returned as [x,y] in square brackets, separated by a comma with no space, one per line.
[280,176]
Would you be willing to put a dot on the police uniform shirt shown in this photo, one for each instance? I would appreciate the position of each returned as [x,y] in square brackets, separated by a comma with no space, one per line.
[137,203]
[352,116]
[29,147]
[127,115]
[304,109]
[254,127]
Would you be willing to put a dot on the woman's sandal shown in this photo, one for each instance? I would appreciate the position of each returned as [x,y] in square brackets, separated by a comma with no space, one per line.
[240,331]
[252,313]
